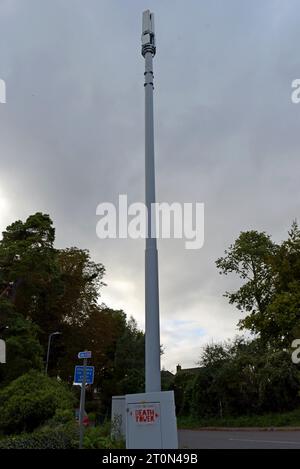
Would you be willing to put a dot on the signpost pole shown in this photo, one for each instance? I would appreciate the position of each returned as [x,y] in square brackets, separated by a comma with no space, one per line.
[2,351]
[82,404]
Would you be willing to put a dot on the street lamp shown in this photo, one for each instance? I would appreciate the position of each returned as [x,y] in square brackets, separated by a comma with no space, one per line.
[48,351]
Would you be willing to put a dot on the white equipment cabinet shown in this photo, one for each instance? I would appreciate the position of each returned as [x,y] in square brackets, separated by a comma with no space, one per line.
[151,421]
[118,418]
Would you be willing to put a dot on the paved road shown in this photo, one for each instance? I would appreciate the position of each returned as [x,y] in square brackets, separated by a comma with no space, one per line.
[195,439]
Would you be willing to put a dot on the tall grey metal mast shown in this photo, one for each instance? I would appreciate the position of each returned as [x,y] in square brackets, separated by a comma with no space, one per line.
[152,336]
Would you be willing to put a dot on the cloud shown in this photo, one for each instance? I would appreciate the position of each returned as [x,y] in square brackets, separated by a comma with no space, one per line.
[226,135]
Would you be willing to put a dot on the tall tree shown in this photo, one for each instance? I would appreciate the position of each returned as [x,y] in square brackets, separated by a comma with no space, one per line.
[82,280]
[250,258]
[130,359]
[29,274]
[282,319]
[46,290]
[270,293]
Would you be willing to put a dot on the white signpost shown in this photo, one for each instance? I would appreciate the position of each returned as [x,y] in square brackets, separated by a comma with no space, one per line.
[83,355]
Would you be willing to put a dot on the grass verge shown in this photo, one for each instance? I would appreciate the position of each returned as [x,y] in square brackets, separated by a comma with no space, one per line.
[286,419]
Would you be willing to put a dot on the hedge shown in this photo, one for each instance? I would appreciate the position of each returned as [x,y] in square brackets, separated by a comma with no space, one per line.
[51,439]
[30,401]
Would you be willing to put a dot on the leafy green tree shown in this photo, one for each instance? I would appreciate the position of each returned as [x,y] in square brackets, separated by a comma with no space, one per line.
[215,354]
[30,400]
[82,281]
[99,332]
[55,290]
[270,293]
[83,322]
[278,382]
[129,365]
[224,381]
[42,290]
[29,273]
[282,319]
[253,376]
[243,377]
[250,258]
[6,309]
[23,348]
[182,390]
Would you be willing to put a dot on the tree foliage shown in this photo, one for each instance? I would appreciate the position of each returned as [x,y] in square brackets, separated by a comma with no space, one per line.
[129,364]
[270,292]
[43,290]
[24,351]
[239,378]
[30,400]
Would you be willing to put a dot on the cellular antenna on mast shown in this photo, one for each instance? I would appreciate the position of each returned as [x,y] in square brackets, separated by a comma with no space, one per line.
[148,33]
[152,334]
[150,417]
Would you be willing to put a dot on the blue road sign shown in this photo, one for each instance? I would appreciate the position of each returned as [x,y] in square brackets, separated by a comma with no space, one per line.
[78,375]
[85,354]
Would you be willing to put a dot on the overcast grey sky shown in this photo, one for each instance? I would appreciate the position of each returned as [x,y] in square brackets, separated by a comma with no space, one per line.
[227,133]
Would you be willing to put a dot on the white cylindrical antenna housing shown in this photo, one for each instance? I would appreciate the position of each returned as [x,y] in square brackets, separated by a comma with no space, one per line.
[148,33]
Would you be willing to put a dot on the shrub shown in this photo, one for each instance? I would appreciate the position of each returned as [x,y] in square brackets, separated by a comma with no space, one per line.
[61,416]
[29,401]
[60,438]
[99,438]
